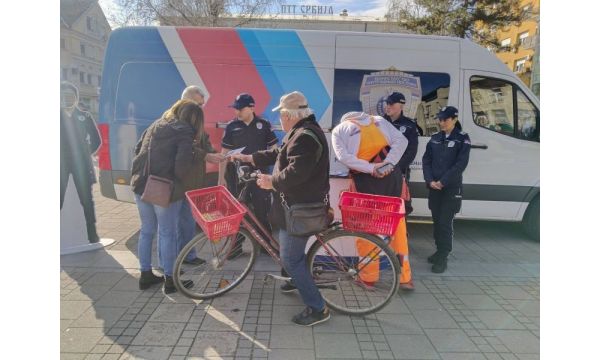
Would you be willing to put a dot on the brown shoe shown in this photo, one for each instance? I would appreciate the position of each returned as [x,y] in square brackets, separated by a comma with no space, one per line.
[408,286]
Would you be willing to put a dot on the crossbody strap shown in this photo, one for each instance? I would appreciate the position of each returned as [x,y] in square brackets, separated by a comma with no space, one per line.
[147,170]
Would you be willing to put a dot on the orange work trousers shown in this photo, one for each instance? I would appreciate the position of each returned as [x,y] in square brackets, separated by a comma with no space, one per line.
[399,244]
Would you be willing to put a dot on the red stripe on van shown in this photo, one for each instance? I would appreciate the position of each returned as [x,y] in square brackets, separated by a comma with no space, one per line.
[104,151]
[226,69]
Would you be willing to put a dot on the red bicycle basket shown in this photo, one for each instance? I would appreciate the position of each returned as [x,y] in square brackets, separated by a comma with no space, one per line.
[373,214]
[217,212]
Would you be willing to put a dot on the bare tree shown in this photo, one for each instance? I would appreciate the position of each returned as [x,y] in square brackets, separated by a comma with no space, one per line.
[191,12]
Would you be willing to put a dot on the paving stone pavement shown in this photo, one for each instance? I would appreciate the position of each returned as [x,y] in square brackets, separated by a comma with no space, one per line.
[486,306]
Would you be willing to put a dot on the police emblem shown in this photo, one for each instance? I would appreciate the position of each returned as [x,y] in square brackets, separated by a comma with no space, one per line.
[259,126]
[81,118]
[376,87]
[402,129]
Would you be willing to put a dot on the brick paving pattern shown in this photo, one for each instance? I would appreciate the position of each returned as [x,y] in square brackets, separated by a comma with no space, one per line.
[486,306]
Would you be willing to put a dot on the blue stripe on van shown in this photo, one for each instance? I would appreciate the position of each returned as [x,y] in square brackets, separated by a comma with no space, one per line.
[290,66]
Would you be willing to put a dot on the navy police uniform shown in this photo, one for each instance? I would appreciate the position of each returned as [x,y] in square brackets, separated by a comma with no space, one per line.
[255,136]
[410,130]
[445,159]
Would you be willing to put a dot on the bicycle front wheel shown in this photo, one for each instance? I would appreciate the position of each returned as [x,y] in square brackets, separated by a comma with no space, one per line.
[357,272]
[228,262]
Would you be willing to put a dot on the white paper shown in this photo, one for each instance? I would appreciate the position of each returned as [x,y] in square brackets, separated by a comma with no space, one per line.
[234,151]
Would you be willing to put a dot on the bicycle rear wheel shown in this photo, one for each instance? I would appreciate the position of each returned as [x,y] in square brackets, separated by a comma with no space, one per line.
[354,279]
[228,262]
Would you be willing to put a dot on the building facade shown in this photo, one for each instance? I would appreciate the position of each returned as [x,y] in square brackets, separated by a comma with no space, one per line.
[84,32]
[526,36]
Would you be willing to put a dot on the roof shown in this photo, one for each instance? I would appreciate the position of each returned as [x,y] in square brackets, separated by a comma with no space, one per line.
[71,10]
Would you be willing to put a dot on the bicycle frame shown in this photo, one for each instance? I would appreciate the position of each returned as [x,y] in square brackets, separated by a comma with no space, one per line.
[251,223]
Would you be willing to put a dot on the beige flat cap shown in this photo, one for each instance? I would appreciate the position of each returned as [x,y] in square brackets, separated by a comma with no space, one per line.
[292,101]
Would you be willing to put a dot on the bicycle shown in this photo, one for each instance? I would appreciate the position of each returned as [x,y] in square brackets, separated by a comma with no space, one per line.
[338,270]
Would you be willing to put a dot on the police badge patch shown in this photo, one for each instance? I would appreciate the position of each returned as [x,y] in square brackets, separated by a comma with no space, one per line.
[81,118]
[402,129]
[259,126]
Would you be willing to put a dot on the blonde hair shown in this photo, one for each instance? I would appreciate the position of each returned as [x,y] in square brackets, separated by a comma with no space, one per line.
[187,111]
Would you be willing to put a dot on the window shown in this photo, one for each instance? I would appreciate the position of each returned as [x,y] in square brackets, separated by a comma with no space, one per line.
[74,71]
[527,11]
[82,48]
[523,36]
[64,74]
[527,118]
[89,79]
[520,65]
[63,44]
[502,107]
[82,77]
[492,104]
[99,80]
[505,42]
[89,23]
[364,90]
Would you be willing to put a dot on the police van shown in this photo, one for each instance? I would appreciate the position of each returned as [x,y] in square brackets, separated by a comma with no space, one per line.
[146,69]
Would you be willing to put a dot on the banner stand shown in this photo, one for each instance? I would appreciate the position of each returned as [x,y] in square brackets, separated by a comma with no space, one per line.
[73,234]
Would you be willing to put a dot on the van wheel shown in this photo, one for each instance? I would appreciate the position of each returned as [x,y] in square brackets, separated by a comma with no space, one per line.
[531,220]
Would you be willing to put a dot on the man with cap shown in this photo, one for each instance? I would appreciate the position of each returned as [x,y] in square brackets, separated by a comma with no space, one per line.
[253,134]
[300,175]
[445,159]
[394,114]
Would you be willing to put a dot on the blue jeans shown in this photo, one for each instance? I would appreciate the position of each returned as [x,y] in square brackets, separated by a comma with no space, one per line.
[155,217]
[186,229]
[291,250]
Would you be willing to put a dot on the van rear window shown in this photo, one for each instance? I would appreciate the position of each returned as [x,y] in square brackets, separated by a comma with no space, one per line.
[365,90]
[145,90]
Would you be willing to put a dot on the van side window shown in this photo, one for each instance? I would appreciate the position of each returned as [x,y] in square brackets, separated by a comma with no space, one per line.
[527,118]
[492,101]
[365,90]
[501,106]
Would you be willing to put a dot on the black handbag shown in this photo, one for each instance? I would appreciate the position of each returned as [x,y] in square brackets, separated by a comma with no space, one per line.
[306,219]
[158,190]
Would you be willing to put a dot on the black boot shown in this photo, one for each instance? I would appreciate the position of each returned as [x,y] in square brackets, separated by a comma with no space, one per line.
[440,265]
[169,286]
[148,279]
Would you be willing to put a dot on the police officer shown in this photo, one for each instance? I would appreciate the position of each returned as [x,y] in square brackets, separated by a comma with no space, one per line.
[255,134]
[445,159]
[409,128]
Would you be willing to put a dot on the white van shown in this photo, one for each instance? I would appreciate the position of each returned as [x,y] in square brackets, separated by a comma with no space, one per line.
[146,68]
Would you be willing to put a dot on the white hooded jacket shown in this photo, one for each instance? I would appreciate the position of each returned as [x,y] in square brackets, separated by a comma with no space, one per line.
[345,140]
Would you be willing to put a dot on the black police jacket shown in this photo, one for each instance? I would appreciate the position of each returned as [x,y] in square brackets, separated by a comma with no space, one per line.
[408,128]
[445,159]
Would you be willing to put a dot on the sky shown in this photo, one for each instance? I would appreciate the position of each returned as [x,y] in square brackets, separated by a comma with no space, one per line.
[376,8]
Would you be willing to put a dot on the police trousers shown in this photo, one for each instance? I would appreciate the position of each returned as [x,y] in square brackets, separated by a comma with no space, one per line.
[444,204]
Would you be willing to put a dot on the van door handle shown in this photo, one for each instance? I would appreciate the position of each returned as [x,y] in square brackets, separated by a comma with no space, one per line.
[479,146]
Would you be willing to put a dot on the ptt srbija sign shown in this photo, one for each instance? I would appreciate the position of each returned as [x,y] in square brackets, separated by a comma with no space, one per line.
[307,9]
